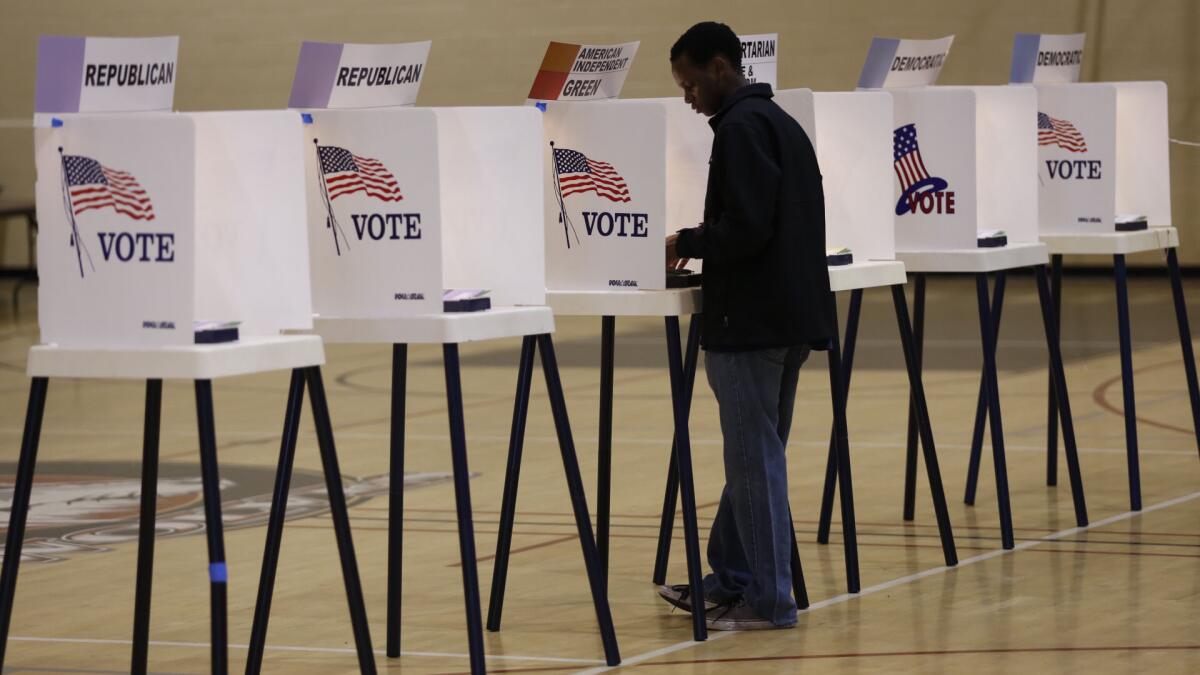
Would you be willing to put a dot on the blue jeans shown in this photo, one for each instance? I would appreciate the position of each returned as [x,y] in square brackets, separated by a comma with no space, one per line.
[750,546]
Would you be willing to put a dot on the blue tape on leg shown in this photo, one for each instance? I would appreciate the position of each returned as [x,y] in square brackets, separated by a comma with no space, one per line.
[218,573]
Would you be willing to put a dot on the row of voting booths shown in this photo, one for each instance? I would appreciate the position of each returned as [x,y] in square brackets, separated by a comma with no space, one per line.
[356,217]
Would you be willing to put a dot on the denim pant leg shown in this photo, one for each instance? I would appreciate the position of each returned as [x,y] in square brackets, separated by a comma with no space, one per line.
[750,545]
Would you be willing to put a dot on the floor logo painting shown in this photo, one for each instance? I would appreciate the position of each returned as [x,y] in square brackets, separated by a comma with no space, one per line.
[80,507]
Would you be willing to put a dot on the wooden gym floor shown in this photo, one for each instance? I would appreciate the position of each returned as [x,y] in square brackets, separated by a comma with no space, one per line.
[1120,596]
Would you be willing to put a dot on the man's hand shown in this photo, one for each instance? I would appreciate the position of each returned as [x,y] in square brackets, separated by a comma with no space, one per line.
[674,262]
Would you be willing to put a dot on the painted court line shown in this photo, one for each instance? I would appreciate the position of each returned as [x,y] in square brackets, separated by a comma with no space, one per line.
[309,650]
[553,440]
[901,581]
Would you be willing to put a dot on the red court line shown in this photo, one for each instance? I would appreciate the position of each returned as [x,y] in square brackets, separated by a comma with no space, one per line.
[1100,396]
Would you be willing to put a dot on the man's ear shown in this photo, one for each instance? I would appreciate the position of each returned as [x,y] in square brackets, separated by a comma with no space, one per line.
[721,69]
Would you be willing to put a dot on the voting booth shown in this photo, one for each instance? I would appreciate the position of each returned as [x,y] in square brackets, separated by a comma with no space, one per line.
[405,204]
[158,223]
[961,160]
[1104,189]
[965,201]
[1102,151]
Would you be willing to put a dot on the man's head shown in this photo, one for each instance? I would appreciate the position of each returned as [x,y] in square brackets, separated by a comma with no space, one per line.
[706,63]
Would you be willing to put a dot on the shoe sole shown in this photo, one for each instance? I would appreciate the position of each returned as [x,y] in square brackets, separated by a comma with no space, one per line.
[718,624]
[683,604]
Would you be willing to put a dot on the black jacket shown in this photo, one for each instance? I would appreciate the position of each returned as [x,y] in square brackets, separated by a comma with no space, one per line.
[763,238]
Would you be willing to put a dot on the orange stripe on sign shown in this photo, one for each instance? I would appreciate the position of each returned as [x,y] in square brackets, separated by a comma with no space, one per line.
[547,85]
[552,75]
[560,56]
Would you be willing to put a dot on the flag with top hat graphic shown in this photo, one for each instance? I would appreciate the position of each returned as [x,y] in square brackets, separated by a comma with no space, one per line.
[915,181]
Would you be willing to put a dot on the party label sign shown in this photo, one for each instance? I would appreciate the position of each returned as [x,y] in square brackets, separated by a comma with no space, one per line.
[759,60]
[335,75]
[1046,59]
[98,74]
[893,63]
[571,72]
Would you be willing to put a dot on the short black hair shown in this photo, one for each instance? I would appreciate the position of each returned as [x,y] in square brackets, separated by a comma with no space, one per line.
[706,40]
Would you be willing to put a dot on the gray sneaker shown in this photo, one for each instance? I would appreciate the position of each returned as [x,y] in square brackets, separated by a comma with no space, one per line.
[679,595]
[737,615]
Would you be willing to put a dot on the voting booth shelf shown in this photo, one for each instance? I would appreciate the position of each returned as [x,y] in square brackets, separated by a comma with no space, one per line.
[1103,162]
[154,224]
[405,204]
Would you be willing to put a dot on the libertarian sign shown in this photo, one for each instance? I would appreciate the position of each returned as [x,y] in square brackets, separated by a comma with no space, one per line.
[571,72]
[759,60]
[1044,59]
[90,74]
[336,75]
[892,63]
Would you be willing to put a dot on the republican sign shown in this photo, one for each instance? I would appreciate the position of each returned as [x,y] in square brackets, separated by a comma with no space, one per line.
[96,74]
[336,75]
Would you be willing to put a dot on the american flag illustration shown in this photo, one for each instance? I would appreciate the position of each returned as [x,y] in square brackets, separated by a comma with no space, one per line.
[1052,131]
[576,173]
[909,166]
[91,185]
[346,172]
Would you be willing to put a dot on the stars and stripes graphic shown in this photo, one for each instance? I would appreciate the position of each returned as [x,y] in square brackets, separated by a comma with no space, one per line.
[914,178]
[909,166]
[346,173]
[1053,131]
[91,185]
[577,173]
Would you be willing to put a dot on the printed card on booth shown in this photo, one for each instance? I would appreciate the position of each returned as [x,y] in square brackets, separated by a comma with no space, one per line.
[374,213]
[116,211]
[1046,59]
[343,75]
[573,72]
[1077,136]
[606,202]
[933,156]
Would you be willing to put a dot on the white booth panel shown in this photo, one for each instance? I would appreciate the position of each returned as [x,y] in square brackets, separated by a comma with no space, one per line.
[1143,153]
[1006,142]
[934,165]
[251,242]
[492,181]
[116,212]
[854,133]
[1077,167]
[606,211]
